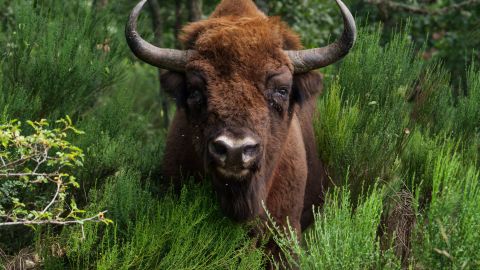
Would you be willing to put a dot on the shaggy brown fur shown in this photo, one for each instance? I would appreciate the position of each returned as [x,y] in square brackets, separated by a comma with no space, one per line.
[230,84]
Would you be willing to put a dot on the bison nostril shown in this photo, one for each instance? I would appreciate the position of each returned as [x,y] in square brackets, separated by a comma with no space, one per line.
[234,153]
[220,148]
[251,150]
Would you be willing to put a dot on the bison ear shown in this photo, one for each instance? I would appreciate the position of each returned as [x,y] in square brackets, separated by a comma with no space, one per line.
[174,84]
[306,86]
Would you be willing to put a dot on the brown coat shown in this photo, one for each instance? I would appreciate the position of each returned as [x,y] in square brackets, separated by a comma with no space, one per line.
[236,49]
[227,85]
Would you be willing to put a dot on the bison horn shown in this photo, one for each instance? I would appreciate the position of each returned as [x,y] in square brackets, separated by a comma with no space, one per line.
[170,59]
[306,60]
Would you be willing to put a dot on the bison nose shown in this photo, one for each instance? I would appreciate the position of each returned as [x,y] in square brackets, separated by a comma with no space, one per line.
[234,153]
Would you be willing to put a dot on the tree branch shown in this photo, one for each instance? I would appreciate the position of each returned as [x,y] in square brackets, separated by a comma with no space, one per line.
[59,186]
[17,162]
[97,218]
[29,174]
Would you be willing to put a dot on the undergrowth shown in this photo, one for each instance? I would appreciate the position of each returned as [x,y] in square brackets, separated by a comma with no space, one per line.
[170,232]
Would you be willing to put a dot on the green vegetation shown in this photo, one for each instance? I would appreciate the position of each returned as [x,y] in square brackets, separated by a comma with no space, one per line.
[162,233]
[401,140]
[390,120]
[341,238]
[29,165]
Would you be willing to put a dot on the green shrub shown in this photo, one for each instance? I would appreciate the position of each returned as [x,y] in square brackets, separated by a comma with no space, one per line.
[165,233]
[390,119]
[363,116]
[35,175]
[467,116]
[448,235]
[341,238]
[49,66]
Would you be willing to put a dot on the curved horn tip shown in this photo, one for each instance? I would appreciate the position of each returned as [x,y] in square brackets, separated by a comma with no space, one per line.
[348,20]
[160,57]
[310,59]
[131,27]
[141,4]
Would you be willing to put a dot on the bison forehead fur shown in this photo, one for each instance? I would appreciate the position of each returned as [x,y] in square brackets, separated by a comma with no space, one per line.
[244,45]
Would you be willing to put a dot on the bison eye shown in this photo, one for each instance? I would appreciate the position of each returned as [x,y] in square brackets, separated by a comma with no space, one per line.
[281,92]
[195,98]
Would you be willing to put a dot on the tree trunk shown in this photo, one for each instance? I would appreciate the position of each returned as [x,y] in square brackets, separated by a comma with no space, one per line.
[262,5]
[178,21]
[157,25]
[157,22]
[194,10]
[99,4]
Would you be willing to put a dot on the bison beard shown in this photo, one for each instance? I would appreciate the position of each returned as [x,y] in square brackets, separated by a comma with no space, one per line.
[246,94]
[240,200]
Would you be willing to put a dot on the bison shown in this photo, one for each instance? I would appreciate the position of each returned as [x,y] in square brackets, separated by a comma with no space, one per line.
[245,92]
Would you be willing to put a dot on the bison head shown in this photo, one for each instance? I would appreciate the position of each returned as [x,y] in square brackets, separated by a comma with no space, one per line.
[239,82]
